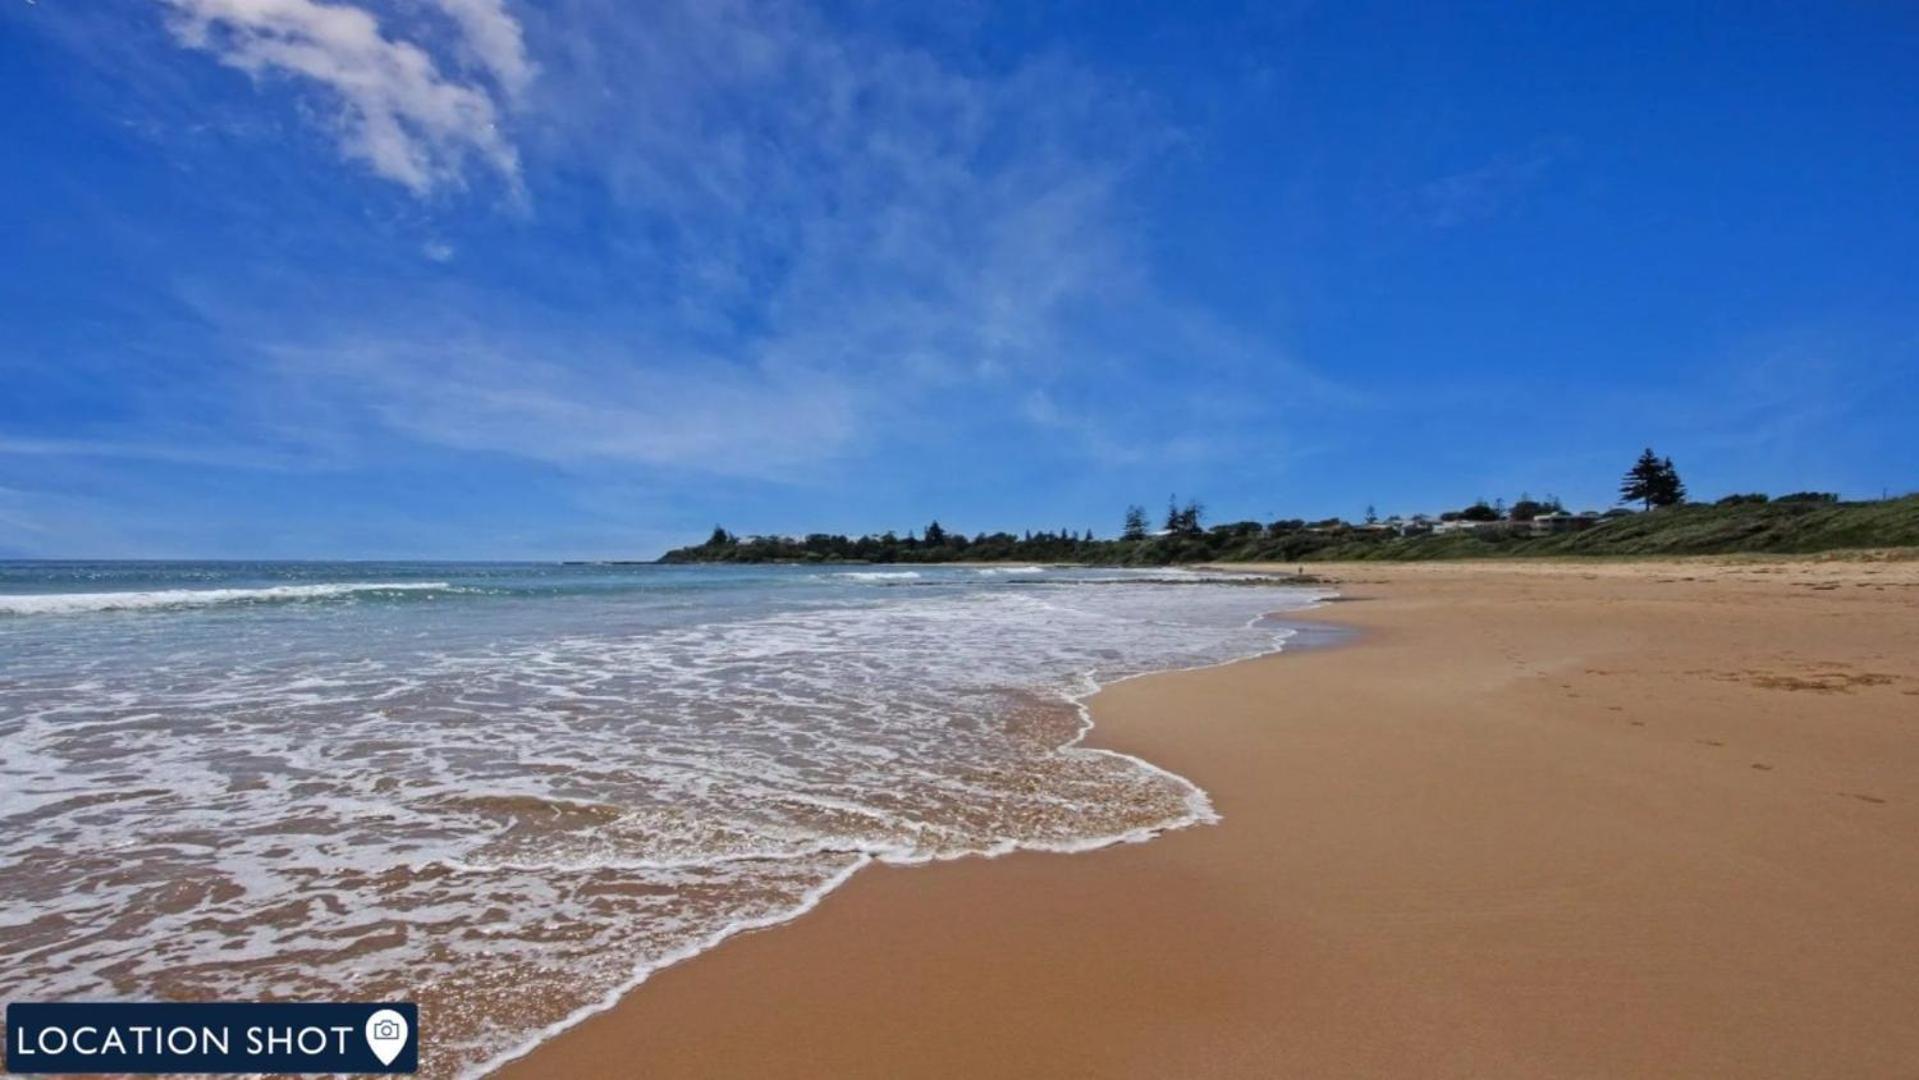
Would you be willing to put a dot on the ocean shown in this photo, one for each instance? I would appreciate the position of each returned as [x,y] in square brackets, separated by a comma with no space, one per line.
[511,791]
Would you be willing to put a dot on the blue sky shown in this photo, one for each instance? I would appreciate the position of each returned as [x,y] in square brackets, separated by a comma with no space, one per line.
[485,278]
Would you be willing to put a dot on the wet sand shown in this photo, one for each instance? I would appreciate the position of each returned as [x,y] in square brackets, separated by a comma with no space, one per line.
[1650,819]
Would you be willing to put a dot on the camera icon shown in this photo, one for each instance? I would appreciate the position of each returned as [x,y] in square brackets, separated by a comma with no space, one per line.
[386,1035]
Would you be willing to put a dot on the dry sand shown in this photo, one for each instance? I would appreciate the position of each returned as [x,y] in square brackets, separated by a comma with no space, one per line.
[1649,819]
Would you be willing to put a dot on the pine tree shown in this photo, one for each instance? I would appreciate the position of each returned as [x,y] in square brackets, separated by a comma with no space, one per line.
[1135,524]
[1643,481]
[935,534]
[1670,490]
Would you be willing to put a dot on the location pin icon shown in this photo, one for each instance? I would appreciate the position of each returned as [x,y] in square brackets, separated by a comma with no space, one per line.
[386,1035]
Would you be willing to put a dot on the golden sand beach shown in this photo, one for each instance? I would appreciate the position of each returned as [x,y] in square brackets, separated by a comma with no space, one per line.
[1532,819]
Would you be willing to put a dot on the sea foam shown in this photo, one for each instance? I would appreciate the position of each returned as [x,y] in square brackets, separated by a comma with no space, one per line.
[514,809]
[78,603]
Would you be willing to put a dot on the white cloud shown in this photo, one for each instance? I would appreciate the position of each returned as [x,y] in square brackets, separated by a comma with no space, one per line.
[491,35]
[810,240]
[398,112]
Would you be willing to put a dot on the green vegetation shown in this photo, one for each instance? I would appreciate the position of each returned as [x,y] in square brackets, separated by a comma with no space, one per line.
[938,545]
[1799,523]
[1778,527]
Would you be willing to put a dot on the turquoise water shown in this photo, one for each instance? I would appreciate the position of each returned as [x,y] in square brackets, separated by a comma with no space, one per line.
[511,791]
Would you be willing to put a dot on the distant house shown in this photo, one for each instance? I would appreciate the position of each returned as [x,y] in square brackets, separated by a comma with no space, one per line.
[1560,521]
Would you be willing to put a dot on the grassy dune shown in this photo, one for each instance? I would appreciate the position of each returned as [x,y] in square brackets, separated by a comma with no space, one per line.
[1785,528]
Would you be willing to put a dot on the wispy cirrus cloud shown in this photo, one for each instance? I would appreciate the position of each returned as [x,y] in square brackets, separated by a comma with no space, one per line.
[837,191]
[256,450]
[775,247]
[398,110]
[518,398]
[826,231]
[1487,189]
[491,39]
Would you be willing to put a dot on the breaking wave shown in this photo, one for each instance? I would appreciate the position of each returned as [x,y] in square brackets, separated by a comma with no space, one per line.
[79,603]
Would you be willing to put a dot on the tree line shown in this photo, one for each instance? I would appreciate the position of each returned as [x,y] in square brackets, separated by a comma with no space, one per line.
[1181,534]
[935,544]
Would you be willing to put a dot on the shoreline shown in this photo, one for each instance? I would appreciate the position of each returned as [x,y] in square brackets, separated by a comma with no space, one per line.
[1199,805]
[1459,892]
